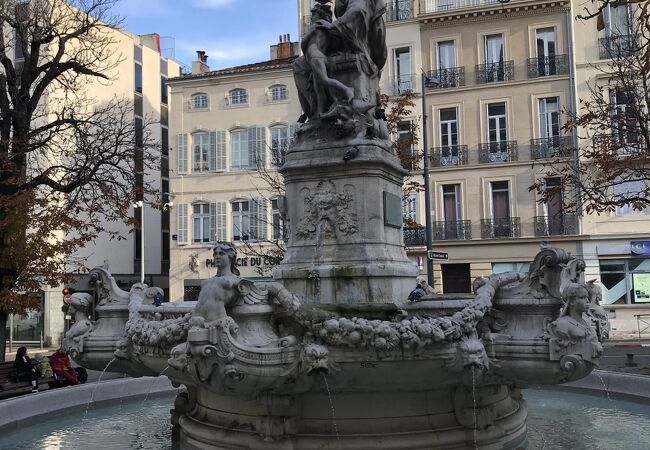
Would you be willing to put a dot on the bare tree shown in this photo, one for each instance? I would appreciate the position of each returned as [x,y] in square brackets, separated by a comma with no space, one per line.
[610,169]
[68,163]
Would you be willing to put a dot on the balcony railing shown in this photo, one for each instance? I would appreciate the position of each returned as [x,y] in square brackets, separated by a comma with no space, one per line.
[500,228]
[445,78]
[544,66]
[452,230]
[551,147]
[495,72]
[503,151]
[403,84]
[431,6]
[399,10]
[414,237]
[617,45]
[627,142]
[451,155]
[557,225]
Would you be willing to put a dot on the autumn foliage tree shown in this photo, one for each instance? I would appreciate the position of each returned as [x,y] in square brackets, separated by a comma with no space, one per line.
[610,169]
[68,162]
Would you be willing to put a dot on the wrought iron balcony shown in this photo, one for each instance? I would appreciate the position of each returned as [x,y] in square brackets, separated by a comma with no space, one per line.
[552,147]
[445,78]
[402,84]
[500,228]
[503,151]
[558,225]
[432,6]
[415,237]
[495,72]
[452,155]
[399,10]
[544,66]
[628,142]
[617,45]
[452,230]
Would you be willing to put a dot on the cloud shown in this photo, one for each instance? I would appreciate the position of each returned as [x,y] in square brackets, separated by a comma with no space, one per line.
[211,4]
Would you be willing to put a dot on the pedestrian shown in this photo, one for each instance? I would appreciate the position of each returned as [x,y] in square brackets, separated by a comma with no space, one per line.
[25,369]
[63,370]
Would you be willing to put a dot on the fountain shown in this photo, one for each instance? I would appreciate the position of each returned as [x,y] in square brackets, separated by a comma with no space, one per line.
[331,355]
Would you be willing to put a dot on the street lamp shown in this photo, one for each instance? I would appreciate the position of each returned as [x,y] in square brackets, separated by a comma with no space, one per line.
[140,204]
[427,81]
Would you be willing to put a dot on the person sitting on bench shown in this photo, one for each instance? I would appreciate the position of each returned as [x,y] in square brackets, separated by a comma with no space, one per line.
[63,369]
[25,369]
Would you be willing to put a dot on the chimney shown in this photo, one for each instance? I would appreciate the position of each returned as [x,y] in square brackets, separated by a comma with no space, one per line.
[201,64]
[284,48]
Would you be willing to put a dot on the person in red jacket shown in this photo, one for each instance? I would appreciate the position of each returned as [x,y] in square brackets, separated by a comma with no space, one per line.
[63,369]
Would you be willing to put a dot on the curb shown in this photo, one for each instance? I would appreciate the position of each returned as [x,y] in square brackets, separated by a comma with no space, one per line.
[15,411]
[604,383]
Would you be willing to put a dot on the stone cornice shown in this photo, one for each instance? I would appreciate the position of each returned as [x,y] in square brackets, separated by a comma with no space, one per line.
[450,18]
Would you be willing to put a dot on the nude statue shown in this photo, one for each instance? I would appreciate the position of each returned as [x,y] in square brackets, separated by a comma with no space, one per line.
[222,289]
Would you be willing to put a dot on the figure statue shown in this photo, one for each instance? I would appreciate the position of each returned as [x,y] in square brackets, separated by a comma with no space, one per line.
[222,289]
[571,325]
[78,308]
[338,76]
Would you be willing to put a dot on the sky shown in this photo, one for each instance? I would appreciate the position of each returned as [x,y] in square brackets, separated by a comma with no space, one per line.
[232,32]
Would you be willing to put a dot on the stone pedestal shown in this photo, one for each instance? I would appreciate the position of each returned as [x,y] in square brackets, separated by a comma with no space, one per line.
[345,224]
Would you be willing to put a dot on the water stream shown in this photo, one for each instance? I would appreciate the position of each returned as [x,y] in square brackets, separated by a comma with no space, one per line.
[334,424]
[92,395]
[151,385]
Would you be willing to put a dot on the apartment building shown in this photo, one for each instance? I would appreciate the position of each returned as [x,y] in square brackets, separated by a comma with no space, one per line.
[140,74]
[616,247]
[224,124]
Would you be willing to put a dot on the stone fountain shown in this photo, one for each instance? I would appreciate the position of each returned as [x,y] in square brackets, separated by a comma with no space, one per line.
[331,355]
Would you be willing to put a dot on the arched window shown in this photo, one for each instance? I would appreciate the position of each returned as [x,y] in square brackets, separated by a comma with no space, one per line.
[200,101]
[278,93]
[238,97]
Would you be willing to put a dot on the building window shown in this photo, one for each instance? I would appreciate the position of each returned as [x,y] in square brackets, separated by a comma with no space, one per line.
[279,144]
[239,146]
[629,190]
[278,224]
[138,78]
[201,222]
[452,208]
[201,154]
[494,58]
[625,280]
[200,101]
[546,48]
[164,141]
[278,93]
[497,123]
[446,55]
[410,208]
[238,97]
[403,75]
[163,89]
[549,118]
[625,125]
[448,127]
[522,267]
[240,220]
[500,199]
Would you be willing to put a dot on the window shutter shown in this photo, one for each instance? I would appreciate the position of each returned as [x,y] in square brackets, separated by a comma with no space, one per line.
[213,221]
[256,147]
[212,152]
[220,150]
[182,223]
[220,220]
[181,148]
[259,219]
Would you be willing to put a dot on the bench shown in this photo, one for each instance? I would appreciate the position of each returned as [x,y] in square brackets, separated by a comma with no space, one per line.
[10,386]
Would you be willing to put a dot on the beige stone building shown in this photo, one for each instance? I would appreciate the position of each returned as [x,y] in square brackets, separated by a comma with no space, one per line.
[498,78]
[140,74]
[223,123]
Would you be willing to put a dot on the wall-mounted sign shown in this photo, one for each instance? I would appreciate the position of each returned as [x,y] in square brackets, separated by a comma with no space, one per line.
[250,261]
[641,248]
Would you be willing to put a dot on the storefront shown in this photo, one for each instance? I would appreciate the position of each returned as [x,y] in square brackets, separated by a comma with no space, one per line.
[26,329]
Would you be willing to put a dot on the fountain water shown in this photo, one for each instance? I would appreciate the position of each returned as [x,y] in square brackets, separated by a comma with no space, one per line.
[445,372]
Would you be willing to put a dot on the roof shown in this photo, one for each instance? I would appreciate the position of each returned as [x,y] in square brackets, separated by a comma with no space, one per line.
[247,68]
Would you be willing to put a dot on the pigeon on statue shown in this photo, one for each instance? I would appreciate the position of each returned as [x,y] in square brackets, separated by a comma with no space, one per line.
[351,154]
